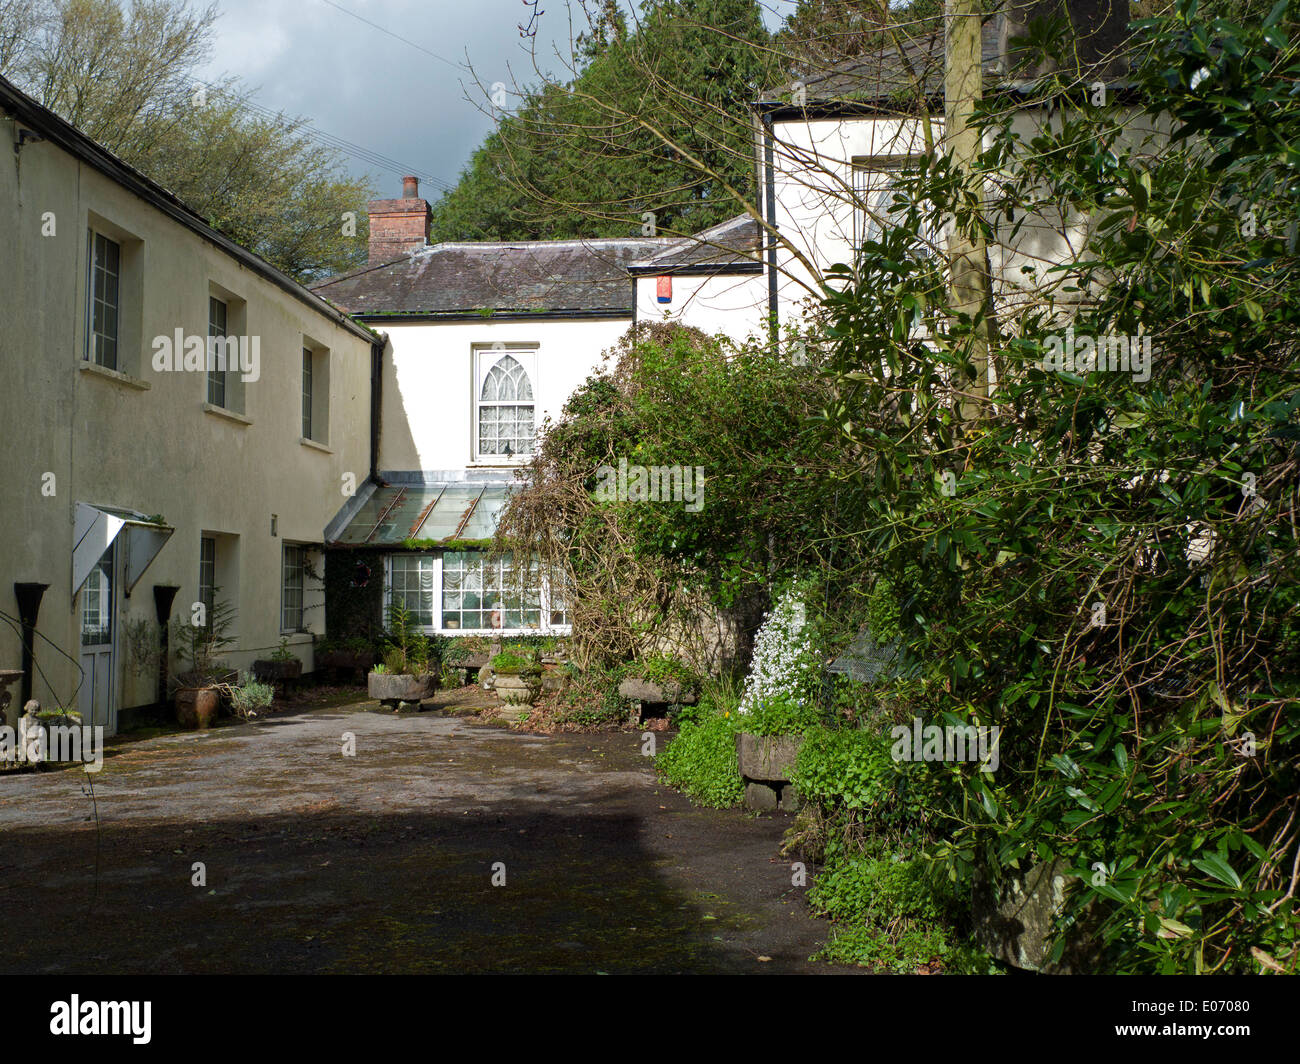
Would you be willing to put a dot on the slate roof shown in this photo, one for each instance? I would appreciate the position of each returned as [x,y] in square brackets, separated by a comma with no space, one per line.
[915,61]
[584,278]
[728,245]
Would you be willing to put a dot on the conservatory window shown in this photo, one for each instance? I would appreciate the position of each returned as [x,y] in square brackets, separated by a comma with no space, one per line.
[479,592]
[411,582]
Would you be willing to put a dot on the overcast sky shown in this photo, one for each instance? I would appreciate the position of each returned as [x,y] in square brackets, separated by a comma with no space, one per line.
[355,82]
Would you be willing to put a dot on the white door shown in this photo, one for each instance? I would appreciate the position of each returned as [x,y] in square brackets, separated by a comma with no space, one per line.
[98,640]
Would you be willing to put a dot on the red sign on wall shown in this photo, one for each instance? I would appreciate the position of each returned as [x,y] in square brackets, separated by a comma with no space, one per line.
[664,289]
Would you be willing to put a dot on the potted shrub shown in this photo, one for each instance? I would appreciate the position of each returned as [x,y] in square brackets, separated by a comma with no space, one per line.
[198,688]
[356,653]
[409,671]
[516,677]
[249,698]
[281,666]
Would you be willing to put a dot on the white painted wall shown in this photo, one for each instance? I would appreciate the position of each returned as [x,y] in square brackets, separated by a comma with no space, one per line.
[813,180]
[428,403]
[732,304]
[142,439]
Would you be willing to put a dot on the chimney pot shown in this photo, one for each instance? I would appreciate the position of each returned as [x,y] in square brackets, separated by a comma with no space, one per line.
[398,226]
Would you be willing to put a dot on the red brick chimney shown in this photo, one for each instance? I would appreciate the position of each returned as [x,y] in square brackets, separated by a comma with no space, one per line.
[398,226]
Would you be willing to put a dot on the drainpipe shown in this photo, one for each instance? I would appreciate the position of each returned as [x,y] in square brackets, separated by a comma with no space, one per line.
[29,606]
[376,397]
[769,164]
[163,595]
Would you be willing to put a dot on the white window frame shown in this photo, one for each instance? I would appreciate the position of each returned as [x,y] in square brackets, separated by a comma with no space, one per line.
[285,589]
[485,356]
[874,175]
[93,352]
[217,376]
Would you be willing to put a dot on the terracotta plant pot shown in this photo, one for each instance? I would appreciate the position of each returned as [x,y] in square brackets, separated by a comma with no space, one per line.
[196,707]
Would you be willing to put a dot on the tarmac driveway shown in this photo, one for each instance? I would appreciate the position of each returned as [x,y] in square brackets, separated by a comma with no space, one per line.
[315,861]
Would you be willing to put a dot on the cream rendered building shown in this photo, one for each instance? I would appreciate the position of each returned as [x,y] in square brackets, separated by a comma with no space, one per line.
[126,472]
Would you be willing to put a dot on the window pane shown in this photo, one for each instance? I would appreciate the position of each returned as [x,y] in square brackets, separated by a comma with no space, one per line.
[104,302]
[293,586]
[216,329]
[306,393]
[208,574]
[411,584]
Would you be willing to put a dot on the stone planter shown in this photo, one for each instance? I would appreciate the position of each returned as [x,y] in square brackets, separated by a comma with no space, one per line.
[635,689]
[269,671]
[767,762]
[516,690]
[196,707]
[396,688]
[1014,922]
[642,693]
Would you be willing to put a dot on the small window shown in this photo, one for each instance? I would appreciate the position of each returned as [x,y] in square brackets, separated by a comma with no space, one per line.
[295,568]
[97,605]
[306,393]
[873,193]
[208,575]
[410,582]
[217,371]
[504,404]
[104,308]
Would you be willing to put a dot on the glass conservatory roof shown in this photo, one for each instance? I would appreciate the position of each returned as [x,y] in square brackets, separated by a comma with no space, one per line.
[398,512]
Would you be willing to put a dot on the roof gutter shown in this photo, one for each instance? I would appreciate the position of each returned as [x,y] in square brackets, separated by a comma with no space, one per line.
[415,317]
[697,269]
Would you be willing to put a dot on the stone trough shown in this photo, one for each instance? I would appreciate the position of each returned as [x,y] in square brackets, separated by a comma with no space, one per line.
[766,763]
[645,693]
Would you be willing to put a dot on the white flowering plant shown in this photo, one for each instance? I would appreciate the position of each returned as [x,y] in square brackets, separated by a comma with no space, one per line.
[785,668]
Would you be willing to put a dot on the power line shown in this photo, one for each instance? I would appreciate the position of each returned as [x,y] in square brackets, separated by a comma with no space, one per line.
[390,33]
[331,140]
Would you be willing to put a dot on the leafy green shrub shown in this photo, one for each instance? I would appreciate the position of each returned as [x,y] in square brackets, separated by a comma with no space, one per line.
[407,650]
[906,950]
[781,715]
[510,664]
[592,701]
[664,669]
[249,696]
[875,887]
[701,762]
[893,915]
[847,767]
